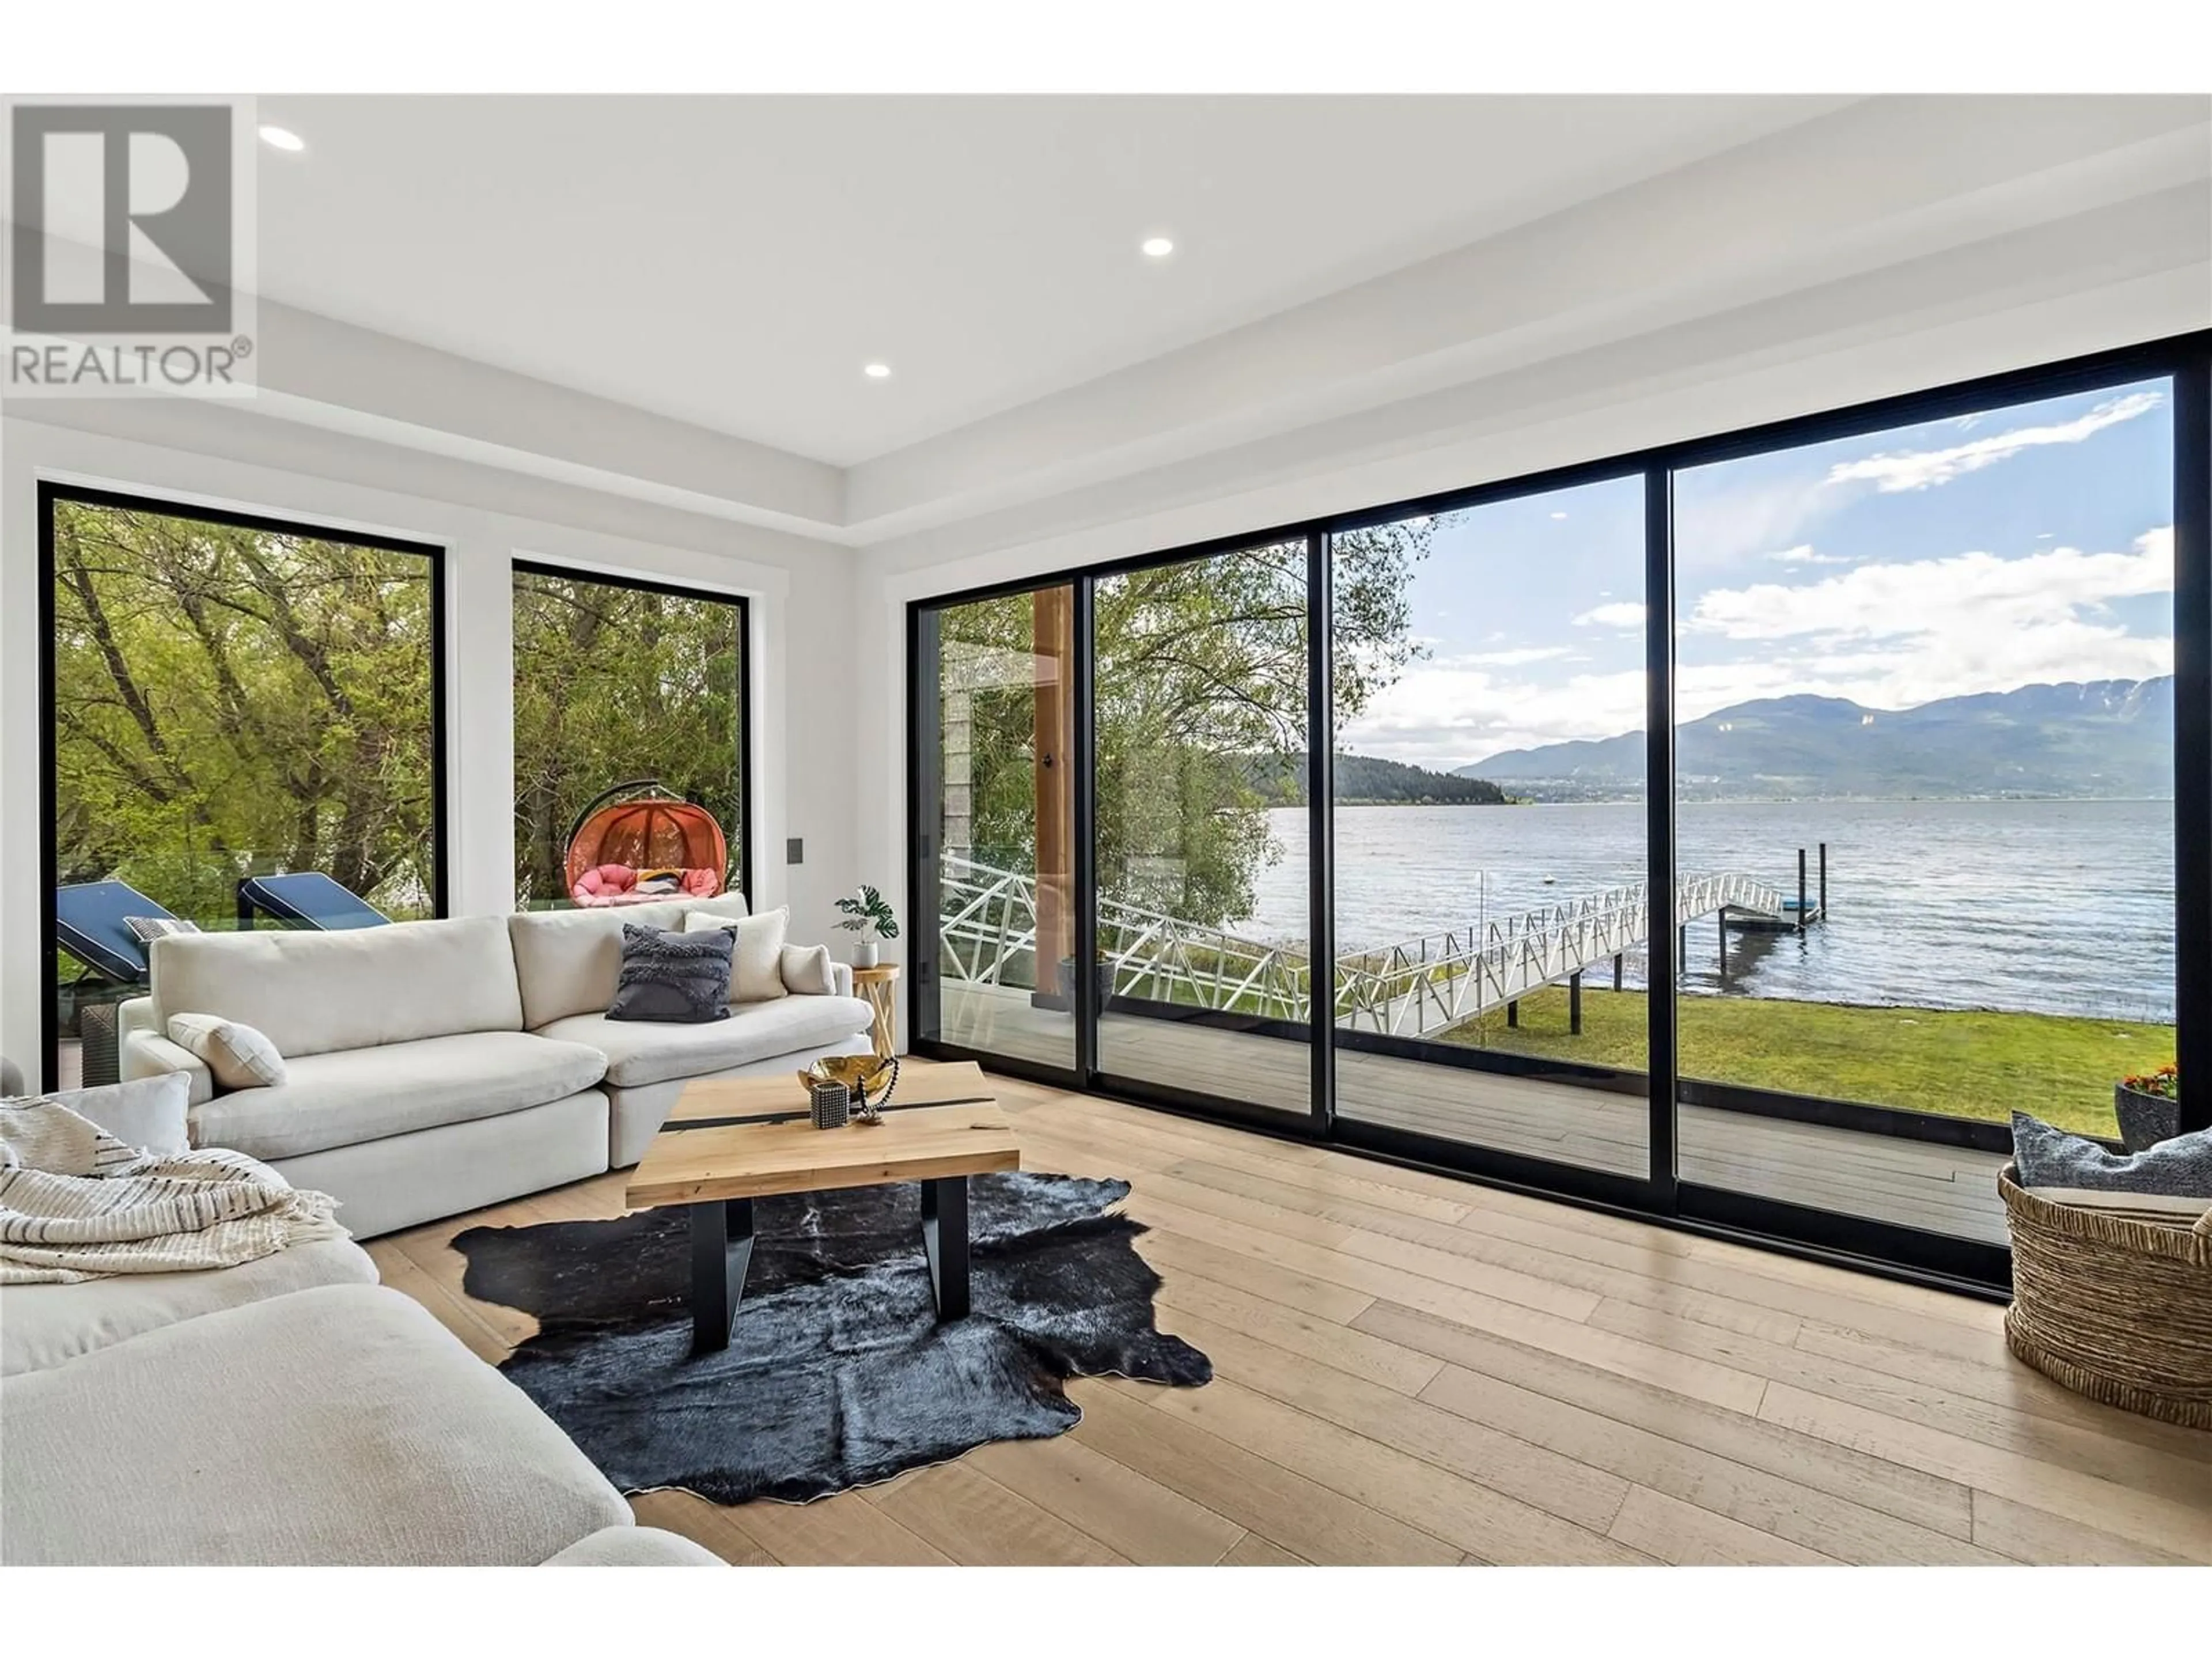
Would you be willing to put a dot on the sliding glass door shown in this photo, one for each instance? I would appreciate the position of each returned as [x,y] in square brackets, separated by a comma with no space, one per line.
[1926,708]
[994,776]
[1738,832]
[1202,963]
[1490,862]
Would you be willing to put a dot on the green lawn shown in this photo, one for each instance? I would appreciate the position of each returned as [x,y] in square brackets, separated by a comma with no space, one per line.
[1926,1059]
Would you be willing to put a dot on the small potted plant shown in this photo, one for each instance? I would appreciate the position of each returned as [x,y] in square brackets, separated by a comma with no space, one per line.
[2148,1107]
[868,914]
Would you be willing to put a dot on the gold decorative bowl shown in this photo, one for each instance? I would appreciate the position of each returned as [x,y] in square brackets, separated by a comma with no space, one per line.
[869,1077]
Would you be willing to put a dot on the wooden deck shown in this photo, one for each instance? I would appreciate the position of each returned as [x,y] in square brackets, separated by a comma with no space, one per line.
[1412,1369]
[1912,1183]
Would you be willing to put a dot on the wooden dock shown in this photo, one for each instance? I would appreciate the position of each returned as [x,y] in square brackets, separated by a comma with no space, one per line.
[1911,1184]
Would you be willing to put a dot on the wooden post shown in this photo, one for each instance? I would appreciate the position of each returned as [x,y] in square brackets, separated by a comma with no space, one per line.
[1616,970]
[1513,1014]
[1575,1003]
[1723,930]
[1801,889]
[1824,881]
[1053,658]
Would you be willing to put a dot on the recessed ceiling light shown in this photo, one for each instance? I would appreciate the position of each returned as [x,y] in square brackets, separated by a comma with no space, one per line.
[1558,515]
[1157,247]
[282,138]
[877,371]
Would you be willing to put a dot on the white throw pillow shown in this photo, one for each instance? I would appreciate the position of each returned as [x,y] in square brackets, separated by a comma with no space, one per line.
[807,971]
[756,964]
[237,1056]
[147,1112]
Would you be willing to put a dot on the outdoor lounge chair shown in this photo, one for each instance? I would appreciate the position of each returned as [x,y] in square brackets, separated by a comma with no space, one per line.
[306,898]
[89,924]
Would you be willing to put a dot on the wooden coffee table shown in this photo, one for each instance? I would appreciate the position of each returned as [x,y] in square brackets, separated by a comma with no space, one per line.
[730,1140]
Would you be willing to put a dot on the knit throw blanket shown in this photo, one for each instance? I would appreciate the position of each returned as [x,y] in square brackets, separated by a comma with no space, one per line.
[75,1203]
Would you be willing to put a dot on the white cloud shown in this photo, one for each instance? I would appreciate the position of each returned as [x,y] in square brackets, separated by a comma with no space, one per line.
[1925,469]
[1516,658]
[1803,553]
[1444,715]
[1621,613]
[1895,635]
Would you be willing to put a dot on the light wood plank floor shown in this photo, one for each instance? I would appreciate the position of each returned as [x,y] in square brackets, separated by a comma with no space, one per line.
[1415,1370]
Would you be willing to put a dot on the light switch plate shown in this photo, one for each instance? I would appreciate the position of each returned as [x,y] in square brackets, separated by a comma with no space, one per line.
[794,850]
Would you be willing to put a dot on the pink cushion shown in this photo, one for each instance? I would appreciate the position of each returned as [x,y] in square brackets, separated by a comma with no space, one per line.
[615,883]
[602,883]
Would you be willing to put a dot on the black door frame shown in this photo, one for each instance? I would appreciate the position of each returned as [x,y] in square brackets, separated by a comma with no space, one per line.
[1662,1196]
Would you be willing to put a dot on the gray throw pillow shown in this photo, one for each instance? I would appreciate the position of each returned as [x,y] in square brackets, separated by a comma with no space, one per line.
[673,978]
[2175,1176]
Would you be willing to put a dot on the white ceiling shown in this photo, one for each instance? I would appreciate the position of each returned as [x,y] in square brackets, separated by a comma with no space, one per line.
[732,262]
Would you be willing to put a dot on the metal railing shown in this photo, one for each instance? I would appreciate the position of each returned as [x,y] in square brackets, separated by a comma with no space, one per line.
[988,930]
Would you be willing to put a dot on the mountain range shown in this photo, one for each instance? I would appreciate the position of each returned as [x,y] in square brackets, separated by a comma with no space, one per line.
[2105,738]
[1369,779]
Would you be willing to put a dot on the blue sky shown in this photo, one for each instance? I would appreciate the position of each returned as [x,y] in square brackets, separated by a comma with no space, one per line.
[2030,544]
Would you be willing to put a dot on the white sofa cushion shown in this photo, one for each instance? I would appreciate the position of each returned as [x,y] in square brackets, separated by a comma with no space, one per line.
[237,1056]
[757,957]
[404,1180]
[636,1546]
[43,1325]
[567,961]
[731,907]
[639,1054]
[340,1426]
[318,994]
[149,1113]
[366,1094]
[808,972]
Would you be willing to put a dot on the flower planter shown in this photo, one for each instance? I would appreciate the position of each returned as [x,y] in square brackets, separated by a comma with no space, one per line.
[2145,1118]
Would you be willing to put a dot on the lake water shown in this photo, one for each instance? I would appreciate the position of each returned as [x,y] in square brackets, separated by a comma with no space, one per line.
[2056,906]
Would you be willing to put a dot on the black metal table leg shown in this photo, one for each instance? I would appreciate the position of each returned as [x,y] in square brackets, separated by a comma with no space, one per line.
[722,1250]
[945,1241]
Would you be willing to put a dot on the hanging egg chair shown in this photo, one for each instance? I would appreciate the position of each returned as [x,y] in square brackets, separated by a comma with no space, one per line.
[639,842]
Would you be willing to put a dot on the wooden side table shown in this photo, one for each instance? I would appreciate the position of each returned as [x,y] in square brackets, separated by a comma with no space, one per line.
[879,988]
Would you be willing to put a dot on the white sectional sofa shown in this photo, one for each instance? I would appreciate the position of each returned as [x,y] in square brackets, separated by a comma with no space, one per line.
[434,1067]
[289,1412]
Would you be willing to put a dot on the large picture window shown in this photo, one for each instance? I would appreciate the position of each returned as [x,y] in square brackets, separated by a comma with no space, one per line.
[625,692]
[244,726]
[1739,832]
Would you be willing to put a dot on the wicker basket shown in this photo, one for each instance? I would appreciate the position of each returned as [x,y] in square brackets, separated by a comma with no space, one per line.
[2117,1307]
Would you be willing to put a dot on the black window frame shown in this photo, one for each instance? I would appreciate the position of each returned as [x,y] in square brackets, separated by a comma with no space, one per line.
[748,871]
[1663,1198]
[52,492]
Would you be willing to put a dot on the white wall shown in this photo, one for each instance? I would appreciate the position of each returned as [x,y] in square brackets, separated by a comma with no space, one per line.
[801,692]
